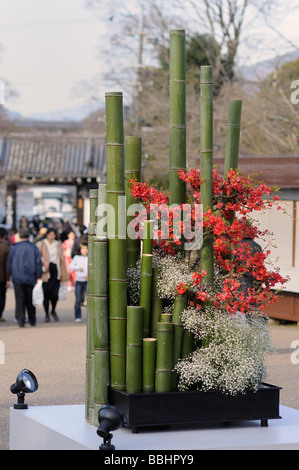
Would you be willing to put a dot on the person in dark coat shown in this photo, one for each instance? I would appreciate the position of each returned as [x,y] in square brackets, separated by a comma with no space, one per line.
[25,267]
[4,274]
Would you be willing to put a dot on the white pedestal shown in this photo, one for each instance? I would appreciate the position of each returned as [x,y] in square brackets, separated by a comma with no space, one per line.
[65,428]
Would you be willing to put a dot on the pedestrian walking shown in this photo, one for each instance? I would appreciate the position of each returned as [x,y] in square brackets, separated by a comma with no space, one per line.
[4,274]
[67,246]
[25,267]
[54,271]
[79,265]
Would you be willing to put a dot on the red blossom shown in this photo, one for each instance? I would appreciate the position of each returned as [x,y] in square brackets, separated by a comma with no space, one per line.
[236,195]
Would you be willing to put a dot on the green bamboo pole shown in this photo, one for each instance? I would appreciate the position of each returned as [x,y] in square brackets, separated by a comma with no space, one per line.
[180,304]
[149,364]
[232,141]
[133,153]
[163,376]
[134,349]
[157,304]
[177,155]
[117,250]
[187,344]
[206,163]
[89,386]
[166,317]
[146,275]
[233,136]
[100,324]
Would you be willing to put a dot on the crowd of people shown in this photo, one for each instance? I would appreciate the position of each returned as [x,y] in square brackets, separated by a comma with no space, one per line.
[54,254]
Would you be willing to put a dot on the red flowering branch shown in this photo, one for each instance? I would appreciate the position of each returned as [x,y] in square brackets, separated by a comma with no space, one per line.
[234,258]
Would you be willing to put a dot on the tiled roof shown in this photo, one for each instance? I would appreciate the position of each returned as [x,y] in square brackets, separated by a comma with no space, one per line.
[48,157]
[282,170]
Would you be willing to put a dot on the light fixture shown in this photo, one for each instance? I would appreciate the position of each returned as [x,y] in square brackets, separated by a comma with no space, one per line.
[110,419]
[26,382]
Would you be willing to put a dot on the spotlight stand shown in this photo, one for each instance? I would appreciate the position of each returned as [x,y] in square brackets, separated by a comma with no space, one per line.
[110,419]
[107,443]
[21,405]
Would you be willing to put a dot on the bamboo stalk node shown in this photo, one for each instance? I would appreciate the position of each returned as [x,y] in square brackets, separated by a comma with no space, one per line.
[116,144]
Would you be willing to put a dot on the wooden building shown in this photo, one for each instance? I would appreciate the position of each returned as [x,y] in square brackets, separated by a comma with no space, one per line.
[283,172]
[73,160]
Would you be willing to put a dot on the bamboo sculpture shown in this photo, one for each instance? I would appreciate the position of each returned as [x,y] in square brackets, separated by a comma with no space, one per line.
[136,348]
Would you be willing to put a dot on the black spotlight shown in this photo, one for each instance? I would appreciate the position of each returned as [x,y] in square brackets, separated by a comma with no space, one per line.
[26,383]
[110,419]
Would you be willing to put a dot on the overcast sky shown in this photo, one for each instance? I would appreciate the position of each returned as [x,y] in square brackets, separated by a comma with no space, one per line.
[51,45]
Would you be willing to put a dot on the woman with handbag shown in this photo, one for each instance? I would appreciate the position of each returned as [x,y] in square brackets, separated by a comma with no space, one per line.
[54,271]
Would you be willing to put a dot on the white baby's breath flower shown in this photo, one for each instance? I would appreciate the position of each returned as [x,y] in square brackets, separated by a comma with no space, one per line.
[231,357]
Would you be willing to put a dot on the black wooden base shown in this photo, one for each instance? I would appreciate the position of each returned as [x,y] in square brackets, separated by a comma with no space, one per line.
[191,408]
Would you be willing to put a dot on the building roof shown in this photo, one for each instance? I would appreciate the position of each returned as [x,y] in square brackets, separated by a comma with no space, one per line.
[31,156]
[281,171]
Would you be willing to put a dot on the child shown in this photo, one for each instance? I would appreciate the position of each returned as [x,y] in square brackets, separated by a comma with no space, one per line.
[79,264]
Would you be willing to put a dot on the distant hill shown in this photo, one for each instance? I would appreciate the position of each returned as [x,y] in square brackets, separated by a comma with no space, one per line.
[75,113]
[260,70]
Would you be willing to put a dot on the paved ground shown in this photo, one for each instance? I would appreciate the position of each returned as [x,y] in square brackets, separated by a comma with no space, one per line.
[55,352]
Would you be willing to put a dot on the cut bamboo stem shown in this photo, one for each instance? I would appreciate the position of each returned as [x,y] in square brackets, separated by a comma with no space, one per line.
[146,276]
[163,376]
[149,364]
[233,136]
[134,349]
[177,156]
[89,386]
[180,304]
[157,304]
[206,164]
[117,249]
[133,153]
[100,324]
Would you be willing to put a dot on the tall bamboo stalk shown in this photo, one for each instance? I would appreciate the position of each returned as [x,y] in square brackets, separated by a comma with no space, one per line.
[89,386]
[133,153]
[206,163]
[232,141]
[146,276]
[180,304]
[233,136]
[117,254]
[163,378]
[177,156]
[100,313]
[149,364]
[134,349]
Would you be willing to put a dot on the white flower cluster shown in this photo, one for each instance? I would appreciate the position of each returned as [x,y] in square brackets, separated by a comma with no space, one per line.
[171,271]
[133,283]
[231,356]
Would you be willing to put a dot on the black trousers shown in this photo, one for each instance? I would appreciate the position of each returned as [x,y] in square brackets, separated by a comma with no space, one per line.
[2,297]
[23,295]
[51,289]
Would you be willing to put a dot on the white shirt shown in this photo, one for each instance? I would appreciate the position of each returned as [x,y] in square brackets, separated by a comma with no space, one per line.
[53,253]
[78,262]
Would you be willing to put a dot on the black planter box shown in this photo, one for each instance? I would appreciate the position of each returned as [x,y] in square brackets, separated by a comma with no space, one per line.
[192,408]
